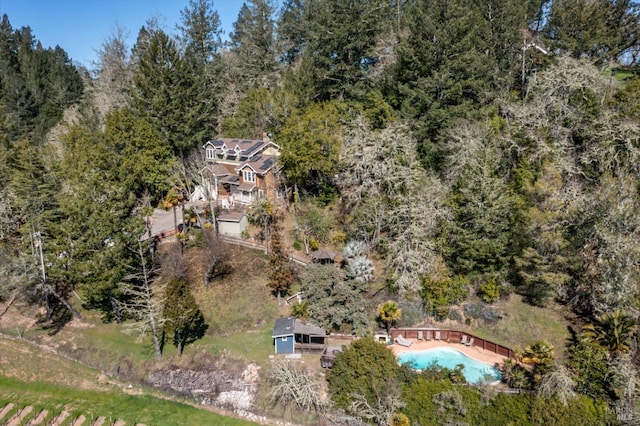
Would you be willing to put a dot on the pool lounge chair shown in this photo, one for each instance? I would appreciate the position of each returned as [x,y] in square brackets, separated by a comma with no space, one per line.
[437,335]
[420,336]
[470,342]
[402,341]
[464,339]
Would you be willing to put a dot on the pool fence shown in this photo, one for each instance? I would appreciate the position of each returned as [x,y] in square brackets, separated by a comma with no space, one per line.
[452,336]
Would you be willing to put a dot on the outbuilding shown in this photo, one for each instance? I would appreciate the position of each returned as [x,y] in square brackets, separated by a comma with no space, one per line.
[232,224]
[292,335]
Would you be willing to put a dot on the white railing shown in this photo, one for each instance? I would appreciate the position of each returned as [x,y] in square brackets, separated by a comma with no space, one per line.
[242,199]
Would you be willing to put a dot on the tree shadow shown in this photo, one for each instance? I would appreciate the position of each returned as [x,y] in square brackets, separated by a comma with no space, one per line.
[56,318]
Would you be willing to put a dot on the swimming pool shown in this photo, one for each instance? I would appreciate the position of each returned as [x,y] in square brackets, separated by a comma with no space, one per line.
[474,371]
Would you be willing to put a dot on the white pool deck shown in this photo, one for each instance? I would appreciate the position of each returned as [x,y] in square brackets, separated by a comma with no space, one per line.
[476,353]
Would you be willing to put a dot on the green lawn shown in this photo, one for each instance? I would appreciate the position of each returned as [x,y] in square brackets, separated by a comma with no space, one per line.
[93,404]
[252,345]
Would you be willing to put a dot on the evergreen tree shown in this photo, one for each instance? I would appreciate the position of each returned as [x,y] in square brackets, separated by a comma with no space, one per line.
[335,303]
[36,84]
[200,31]
[543,267]
[483,234]
[366,368]
[602,30]
[341,52]
[253,42]
[280,274]
[96,231]
[454,58]
[145,158]
[311,141]
[183,318]
[292,30]
[166,93]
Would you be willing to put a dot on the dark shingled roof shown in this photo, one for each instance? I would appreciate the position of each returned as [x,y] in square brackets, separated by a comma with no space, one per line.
[284,327]
[290,326]
[323,254]
[303,327]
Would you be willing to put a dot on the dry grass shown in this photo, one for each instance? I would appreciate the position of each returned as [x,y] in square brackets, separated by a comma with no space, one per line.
[523,324]
[26,362]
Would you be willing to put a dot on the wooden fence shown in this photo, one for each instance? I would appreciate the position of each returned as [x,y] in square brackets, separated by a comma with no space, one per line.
[453,336]
[252,244]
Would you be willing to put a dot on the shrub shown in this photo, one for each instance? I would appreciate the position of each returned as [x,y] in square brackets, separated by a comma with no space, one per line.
[480,310]
[440,294]
[489,291]
[455,315]
[339,238]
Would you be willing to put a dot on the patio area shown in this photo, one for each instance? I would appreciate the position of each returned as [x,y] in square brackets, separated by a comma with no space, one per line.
[474,352]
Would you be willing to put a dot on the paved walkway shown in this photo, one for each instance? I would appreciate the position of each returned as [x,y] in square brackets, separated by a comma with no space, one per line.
[474,352]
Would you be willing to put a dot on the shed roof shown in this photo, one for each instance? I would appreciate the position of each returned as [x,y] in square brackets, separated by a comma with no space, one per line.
[304,327]
[284,327]
[230,217]
[290,326]
[323,254]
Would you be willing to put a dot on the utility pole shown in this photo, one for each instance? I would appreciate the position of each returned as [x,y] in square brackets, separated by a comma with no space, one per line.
[38,243]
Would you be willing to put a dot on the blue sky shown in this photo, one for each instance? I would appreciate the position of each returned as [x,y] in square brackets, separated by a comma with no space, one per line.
[80,26]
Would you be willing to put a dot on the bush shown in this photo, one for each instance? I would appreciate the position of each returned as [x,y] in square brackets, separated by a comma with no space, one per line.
[339,238]
[489,291]
[440,294]
[455,315]
[441,313]
[480,310]
[473,309]
[297,245]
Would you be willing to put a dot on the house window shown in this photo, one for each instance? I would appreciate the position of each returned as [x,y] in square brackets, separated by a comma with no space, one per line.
[249,176]
[260,193]
[211,153]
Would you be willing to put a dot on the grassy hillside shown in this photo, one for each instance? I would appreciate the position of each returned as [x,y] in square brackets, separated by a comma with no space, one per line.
[30,376]
[522,324]
[132,409]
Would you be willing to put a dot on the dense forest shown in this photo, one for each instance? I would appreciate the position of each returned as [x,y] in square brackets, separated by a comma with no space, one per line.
[476,149]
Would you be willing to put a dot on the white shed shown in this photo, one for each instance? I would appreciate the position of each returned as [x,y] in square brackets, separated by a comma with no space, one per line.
[232,224]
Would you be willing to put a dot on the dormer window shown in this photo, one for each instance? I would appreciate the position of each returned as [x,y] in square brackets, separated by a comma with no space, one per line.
[211,153]
[249,176]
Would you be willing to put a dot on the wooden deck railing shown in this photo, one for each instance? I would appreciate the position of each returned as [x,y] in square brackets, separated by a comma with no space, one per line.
[454,336]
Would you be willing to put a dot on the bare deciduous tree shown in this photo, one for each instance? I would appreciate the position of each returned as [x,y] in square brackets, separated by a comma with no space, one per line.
[114,71]
[143,302]
[302,387]
[392,199]
[217,258]
[19,277]
[386,406]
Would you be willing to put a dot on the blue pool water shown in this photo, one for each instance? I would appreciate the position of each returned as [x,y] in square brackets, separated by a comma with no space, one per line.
[474,371]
